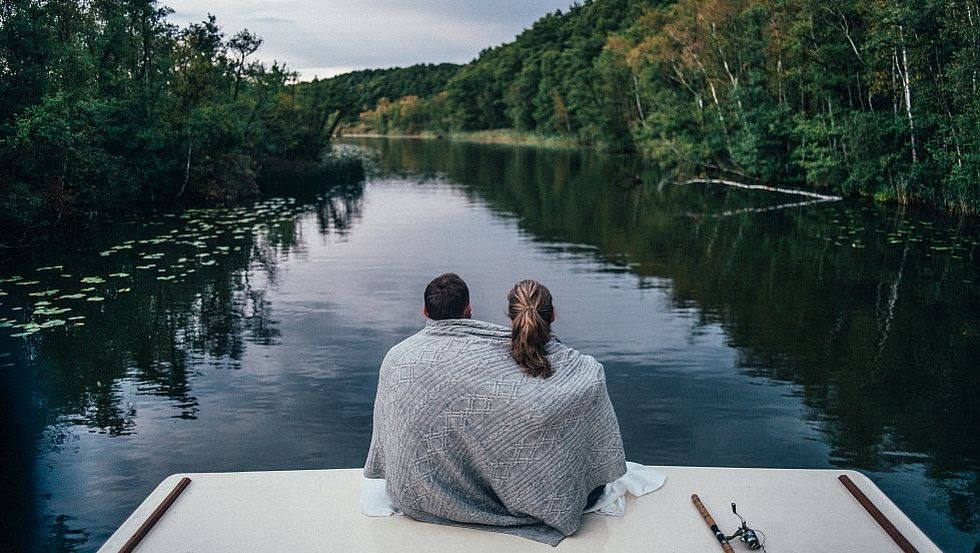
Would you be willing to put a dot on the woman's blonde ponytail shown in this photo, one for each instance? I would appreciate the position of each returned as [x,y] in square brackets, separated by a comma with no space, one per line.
[531,312]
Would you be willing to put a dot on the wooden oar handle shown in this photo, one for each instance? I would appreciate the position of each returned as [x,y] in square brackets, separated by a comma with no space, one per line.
[719,535]
[145,528]
[876,514]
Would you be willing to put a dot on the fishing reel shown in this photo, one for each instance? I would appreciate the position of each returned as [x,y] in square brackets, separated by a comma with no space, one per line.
[746,535]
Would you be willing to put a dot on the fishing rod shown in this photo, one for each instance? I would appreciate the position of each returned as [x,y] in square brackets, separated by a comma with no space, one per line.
[719,535]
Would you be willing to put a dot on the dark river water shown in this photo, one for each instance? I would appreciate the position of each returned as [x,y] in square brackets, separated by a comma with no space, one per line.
[733,332]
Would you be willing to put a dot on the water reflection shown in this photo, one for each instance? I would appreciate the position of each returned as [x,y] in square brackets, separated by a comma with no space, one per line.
[161,296]
[824,335]
[211,309]
[874,314]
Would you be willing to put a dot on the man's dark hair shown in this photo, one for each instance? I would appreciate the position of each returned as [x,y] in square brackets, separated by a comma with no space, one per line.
[446,297]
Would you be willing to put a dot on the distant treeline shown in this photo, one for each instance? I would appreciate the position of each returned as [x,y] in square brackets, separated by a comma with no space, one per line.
[105,106]
[877,98]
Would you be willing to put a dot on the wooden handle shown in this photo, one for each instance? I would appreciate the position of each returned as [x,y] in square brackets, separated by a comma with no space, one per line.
[719,535]
[879,517]
[155,516]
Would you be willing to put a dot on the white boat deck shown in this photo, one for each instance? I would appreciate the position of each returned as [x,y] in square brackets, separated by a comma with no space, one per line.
[318,511]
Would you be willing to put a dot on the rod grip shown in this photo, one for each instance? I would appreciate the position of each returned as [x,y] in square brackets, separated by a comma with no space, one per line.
[710,521]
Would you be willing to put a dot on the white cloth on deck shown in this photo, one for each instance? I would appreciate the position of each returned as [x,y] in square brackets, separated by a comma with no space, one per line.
[639,480]
[375,501]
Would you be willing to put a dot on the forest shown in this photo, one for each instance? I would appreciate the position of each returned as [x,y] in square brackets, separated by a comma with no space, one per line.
[106,107]
[865,98]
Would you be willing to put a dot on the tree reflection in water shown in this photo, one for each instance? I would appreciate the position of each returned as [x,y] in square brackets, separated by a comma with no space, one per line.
[873,312]
[151,336]
[148,338]
[870,316]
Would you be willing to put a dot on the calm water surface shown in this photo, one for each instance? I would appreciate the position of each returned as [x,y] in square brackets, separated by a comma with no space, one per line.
[733,333]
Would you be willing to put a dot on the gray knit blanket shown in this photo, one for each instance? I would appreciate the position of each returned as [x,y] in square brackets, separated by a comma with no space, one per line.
[465,438]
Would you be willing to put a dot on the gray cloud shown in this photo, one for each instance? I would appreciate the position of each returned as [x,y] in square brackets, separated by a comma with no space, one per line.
[334,36]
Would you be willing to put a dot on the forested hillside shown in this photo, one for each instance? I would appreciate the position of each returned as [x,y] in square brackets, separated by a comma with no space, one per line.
[352,93]
[874,98]
[549,80]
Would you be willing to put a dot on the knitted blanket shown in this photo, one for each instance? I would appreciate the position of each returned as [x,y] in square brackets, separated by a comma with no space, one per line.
[464,437]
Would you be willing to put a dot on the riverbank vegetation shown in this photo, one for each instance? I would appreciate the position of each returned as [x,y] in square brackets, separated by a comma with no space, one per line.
[492,136]
[864,98]
[107,107]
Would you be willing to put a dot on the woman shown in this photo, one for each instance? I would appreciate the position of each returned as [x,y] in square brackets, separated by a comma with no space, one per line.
[531,313]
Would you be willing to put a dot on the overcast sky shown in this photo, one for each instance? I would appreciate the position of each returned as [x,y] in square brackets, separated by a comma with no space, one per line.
[328,37]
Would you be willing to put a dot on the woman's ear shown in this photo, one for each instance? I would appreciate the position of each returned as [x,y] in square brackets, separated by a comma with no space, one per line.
[554,315]
[468,312]
[425,312]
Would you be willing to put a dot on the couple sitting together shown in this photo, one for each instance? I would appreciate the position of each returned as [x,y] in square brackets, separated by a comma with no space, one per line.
[484,426]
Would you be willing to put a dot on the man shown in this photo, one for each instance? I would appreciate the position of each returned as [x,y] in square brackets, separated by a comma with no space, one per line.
[464,437]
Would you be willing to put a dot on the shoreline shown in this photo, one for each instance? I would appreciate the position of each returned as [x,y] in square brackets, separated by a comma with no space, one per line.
[510,137]
[497,136]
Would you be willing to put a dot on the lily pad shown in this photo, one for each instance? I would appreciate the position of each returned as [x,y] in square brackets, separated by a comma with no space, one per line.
[72,297]
[119,275]
[96,298]
[44,294]
[52,311]
[124,290]
[145,267]
[50,268]
[27,283]
[52,323]
[93,280]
